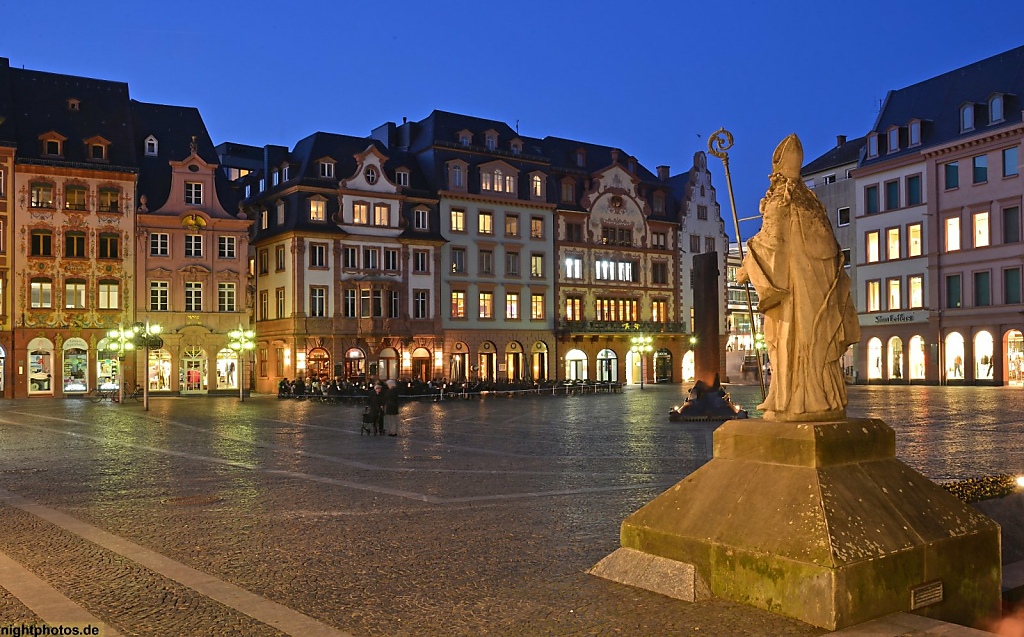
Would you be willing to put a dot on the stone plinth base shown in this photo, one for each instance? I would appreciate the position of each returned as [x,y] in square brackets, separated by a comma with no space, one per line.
[820,522]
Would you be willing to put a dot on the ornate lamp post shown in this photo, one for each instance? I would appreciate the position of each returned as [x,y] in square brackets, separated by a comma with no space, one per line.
[641,345]
[121,340]
[147,336]
[242,342]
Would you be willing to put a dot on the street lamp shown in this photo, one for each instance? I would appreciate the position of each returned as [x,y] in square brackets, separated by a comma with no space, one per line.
[147,335]
[242,341]
[121,340]
[641,345]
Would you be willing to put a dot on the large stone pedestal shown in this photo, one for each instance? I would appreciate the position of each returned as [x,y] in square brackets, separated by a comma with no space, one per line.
[817,521]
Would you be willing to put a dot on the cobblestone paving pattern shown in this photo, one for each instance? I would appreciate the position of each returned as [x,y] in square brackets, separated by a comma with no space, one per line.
[481,518]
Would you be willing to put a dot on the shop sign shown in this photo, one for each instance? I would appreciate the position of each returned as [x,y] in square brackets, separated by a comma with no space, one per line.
[890,318]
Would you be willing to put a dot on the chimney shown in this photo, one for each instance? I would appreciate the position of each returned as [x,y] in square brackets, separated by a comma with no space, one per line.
[663,172]
[840,140]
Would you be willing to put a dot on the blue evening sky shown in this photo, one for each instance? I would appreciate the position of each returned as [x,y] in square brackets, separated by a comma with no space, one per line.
[654,77]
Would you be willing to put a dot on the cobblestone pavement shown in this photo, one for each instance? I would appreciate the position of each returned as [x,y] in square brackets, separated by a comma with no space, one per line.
[210,516]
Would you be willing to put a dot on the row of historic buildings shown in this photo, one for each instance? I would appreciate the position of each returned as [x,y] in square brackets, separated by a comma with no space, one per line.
[928,209]
[452,247]
[112,212]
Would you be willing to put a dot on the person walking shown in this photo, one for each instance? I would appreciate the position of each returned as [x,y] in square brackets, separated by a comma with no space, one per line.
[391,407]
[375,402]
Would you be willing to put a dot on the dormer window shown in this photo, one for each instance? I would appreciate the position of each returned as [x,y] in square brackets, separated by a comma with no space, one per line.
[370,174]
[97,148]
[465,138]
[914,133]
[53,144]
[872,145]
[275,178]
[73,104]
[284,172]
[97,151]
[492,142]
[536,187]
[995,108]
[327,169]
[152,146]
[659,203]
[967,117]
[631,166]
[517,147]
[402,177]
[893,139]
[581,158]
[457,180]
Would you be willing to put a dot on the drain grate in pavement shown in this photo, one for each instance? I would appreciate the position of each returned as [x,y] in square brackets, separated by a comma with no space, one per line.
[191,500]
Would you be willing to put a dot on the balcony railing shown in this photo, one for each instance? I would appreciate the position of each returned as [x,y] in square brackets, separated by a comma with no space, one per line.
[620,327]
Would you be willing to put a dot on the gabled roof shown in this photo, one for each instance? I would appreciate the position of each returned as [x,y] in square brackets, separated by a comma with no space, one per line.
[40,104]
[173,128]
[843,154]
[937,101]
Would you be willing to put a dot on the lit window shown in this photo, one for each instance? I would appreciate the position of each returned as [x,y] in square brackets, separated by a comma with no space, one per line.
[874,296]
[894,295]
[536,306]
[573,309]
[892,244]
[110,293]
[914,240]
[536,228]
[511,225]
[486,305]
[74,295]
[458,305]
[573,268]
[872,246]
[74,198]
[916,291]
[361,213]
[381,214]
[108,199]
[952,234]
[512,305]
[485,223]
[42,293]
[458,220]
[536,186]
[317,210]
[42,196]
[980,221]
[537,265]
[485,181]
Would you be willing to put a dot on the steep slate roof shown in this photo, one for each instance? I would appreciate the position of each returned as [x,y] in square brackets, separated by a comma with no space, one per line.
[173,128]
[442,127]
[937,101]
[40,103]
[846,153]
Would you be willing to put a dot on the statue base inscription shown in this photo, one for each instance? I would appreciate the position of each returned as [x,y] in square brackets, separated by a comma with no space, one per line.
[818,521]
